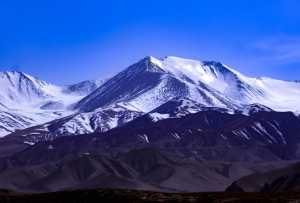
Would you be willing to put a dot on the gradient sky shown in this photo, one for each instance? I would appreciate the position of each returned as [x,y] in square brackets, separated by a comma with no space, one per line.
[65,42]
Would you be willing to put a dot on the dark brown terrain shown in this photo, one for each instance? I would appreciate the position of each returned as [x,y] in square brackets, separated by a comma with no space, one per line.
[205,151]
[130,196]
[200,152]
[285,179]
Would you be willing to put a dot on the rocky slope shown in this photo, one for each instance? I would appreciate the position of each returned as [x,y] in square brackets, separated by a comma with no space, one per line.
[285,179]
[158,155]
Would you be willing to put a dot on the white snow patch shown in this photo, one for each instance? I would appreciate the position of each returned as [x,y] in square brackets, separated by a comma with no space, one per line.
[30,143]
[144,137]
[176,136]
[223,136]
[283,140]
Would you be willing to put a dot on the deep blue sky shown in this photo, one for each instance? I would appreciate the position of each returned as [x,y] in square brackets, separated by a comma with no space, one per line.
[68,41]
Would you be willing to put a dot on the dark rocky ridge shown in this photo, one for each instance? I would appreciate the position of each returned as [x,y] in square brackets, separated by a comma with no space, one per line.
[204,151]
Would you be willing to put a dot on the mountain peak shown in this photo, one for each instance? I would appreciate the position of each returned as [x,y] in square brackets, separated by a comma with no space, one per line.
[16,75]
[11,73]
[147,58]
[86,87]
[14,72]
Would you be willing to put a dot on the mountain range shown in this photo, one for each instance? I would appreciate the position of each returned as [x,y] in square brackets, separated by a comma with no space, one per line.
[145,85]
[160,124]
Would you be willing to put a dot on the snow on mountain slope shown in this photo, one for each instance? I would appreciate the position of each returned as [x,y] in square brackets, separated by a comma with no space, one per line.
[112,116]
[20,91]
[20,88]
[99,120]
[151,82]
[86,87]
[148,84]
[231,83]
[277,94]
[175,108]
[252,108]
[17,87]
[9,122]
[53,105]
[35,101]
[186,106]
[117,115]
[3,108]
[179,107]
[286,94]
[145,85]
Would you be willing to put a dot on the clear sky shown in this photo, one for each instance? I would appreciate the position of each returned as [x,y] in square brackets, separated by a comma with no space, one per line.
[68,41]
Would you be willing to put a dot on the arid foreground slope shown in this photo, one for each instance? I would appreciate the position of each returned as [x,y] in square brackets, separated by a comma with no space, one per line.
[130,196]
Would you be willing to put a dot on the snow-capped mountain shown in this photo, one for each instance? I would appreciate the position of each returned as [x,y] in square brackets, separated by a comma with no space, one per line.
[18,87]
[148,84]
[26,101]
[170,82]
[152,82]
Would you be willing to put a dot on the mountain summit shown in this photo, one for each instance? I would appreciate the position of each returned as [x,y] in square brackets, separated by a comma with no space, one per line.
[152,82]
[19,87]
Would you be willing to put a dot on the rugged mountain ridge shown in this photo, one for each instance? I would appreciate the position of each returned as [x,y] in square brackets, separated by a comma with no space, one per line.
[151,82]
[86,87]
[147,85]
[26,101]
[20,88]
